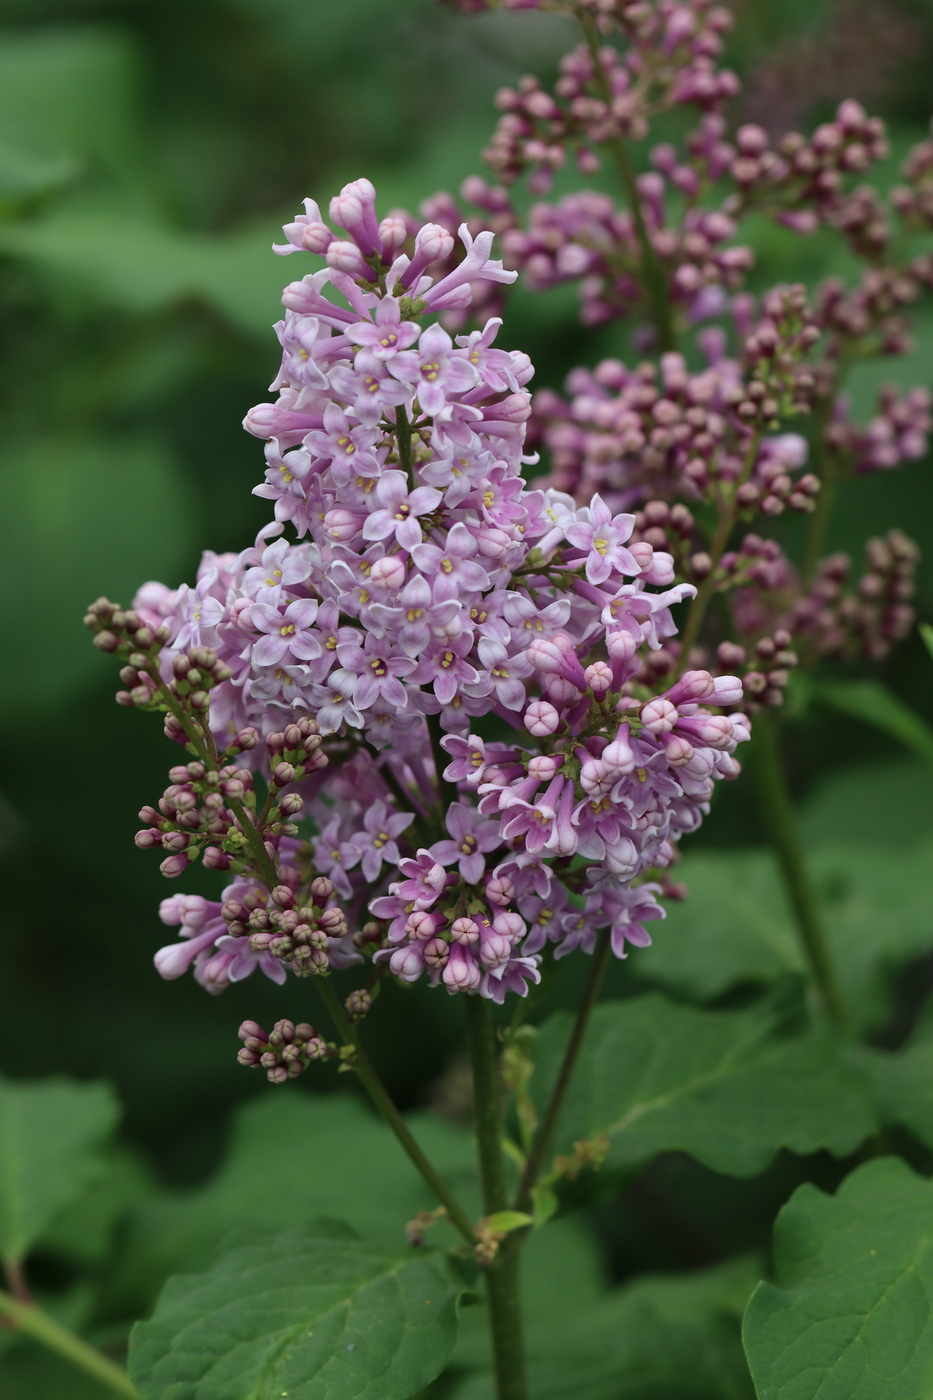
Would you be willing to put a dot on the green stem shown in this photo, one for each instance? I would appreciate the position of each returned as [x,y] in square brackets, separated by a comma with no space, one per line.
[45,1330]
[777,810]
[383,1103]
[654,279]
[542,1143]
[446,791]
[502,1275]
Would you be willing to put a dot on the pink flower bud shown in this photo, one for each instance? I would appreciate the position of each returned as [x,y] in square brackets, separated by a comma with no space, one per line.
[618,757]
[436,953]
[388,573]
[392,232]
[499,889]
[465,930]
[407,963]
[344,256]
[316,238]
[433,243]
[595,779]
[174,865]
[342,524]
[541,718]
[659,716]
[543,767]
[599,678]
[461,973]
[677,750]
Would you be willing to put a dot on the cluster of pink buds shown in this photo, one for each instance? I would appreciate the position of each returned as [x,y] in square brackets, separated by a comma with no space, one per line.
[285,1051]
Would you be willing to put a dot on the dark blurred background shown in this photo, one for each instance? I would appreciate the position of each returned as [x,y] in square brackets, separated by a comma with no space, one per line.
[149,152]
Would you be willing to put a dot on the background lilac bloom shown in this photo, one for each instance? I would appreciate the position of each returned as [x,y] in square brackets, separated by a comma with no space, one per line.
[471,839]
[376,842]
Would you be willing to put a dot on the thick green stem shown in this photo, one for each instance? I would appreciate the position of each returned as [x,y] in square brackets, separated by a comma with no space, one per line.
[777,810]
[545,1134]
[502,1275]
[383,1103]
[655,283]
[49,1333]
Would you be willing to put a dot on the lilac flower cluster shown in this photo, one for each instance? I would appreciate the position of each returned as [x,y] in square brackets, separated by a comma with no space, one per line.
[428,592]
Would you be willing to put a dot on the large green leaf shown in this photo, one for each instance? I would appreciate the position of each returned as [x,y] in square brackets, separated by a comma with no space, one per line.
[72,93]
[356,1171]
[656,1077]
[133,263]
[84,1231]
[661,1338]
[872,702]
[735,928]
[81,517]
[903,1082]
[51,1135]
[313,1314]
[849,1316]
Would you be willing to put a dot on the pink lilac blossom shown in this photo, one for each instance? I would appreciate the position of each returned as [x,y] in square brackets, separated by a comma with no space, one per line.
[427,587]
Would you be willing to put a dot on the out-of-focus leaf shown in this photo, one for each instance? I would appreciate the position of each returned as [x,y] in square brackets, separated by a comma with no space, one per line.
[72,92]
[872,702]
[29,1372]
[80,518]
[903,1082]
[84,1230]
[134,264]
[848,1317]
[355,1170]
[886,805]
[51,1135]
[735,927]
[675,1337]
[657,1077]
[25,173]
[314,1314]
[926,632]
[563,1276]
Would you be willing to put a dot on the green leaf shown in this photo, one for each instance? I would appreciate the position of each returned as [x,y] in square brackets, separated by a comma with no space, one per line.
[84,1231]
[103,516]
[926,632]
[51,1135]
[505,1221]
[133,263]
[903,1082]
[181,1231]
[872,702]
[735,927]
[313,1314]
[545,1203]
[658,1077]
[26,173]
[71,93]
[660,1338]
[848,1317]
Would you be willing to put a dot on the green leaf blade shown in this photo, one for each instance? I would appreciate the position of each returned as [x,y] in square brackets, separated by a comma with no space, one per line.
[314,1313]
[657,1077]
[849,1317]
[52,1132]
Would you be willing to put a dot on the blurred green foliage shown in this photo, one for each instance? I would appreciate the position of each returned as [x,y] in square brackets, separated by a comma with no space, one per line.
[149,151]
